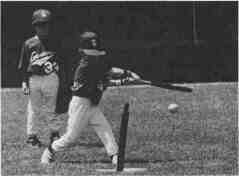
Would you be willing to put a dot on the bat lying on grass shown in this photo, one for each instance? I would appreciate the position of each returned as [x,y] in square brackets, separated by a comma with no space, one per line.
[163,85]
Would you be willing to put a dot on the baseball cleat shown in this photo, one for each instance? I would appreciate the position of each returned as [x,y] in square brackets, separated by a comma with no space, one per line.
[47,156]
[33,140]
[54,135]
[114,159]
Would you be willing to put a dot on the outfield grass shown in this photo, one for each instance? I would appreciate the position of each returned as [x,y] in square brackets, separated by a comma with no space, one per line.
[200,139]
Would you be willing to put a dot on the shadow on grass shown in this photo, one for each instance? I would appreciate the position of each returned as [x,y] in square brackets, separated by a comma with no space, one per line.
[107,161]
[104,161]
[80,144]
[141,161]
[86,144]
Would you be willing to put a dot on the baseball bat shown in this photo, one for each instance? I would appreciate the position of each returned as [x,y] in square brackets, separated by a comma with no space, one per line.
[123,138]
[163,85]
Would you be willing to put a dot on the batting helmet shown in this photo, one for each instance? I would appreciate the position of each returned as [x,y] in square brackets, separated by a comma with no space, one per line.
[41,16]
[89,40]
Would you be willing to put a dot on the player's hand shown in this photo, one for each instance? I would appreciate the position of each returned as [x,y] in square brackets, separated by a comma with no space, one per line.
[25,88]
[115,83]
[134,76]
[131,76]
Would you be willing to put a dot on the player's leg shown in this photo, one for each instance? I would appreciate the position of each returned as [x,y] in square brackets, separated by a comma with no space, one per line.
[33,110]
[50,89]
[79,113]
[104,131]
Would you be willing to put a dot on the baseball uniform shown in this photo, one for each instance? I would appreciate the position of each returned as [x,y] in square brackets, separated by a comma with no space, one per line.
[39,66]
[88,87]
[91,77]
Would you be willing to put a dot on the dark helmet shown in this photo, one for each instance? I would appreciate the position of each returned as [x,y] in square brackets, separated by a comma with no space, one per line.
[41,16]
[89,40]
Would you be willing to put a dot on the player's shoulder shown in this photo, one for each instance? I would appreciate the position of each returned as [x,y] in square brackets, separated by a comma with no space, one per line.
[33,41]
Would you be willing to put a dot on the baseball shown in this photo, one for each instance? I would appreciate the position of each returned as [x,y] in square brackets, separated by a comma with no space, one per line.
[173,108]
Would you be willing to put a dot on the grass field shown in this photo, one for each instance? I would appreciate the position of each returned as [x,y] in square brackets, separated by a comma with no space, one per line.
[200,139]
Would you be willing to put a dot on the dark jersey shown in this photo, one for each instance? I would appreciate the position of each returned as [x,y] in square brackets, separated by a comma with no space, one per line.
[90,77]
[37,57]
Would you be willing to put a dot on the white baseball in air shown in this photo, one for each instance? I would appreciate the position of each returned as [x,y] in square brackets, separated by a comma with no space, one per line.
[173,108]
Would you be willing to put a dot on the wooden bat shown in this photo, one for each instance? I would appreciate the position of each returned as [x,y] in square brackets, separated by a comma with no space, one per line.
[133,81]
[168,86]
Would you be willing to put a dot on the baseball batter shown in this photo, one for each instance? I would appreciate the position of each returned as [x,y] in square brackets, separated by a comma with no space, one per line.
[92,75]
[39,66]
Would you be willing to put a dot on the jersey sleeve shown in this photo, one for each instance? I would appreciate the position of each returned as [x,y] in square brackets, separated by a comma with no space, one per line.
[23,63]
[108,66]
[80,71]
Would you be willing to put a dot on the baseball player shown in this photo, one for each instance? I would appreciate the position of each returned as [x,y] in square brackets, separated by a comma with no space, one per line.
[91,76]
[40,69]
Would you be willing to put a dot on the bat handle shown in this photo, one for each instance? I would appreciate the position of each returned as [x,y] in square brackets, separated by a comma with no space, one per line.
[142,81]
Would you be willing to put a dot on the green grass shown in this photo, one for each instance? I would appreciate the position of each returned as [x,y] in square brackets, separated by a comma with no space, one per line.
[200,139]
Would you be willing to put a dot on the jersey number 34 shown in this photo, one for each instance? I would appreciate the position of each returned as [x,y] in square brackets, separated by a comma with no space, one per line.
[50,67]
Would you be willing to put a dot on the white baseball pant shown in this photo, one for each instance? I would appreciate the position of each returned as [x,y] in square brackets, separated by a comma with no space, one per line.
[81,113]
[43,95]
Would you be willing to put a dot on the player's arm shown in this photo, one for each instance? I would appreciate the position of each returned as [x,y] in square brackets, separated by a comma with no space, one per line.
[22,67]
[78,77]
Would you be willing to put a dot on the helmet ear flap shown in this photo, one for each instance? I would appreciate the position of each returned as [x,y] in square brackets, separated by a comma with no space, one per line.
[89,40]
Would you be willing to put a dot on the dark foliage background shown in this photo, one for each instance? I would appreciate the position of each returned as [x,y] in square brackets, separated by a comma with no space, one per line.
[155,39]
